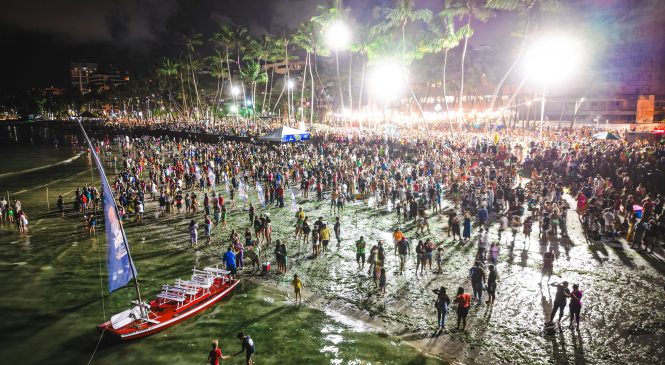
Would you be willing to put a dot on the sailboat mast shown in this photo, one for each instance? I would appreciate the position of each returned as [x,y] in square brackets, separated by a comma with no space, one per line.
[112,201]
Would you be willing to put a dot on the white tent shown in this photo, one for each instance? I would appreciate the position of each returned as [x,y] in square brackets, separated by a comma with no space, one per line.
[285,134]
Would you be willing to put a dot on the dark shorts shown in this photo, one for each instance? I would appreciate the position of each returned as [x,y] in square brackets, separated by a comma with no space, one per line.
[233,269]
[325,242]
[248,355]
[462,312]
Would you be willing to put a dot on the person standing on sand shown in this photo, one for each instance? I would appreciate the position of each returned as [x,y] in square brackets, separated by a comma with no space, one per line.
[360,252]
[193,232]
[60,203]
[337,229]
[492,277]
[230,261]
[463,301]
[247,347]
[575,306]
[297,286]
[562,293]
[442,302]
[215,354]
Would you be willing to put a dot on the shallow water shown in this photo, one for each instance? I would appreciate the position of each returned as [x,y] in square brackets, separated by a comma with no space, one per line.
[54,277]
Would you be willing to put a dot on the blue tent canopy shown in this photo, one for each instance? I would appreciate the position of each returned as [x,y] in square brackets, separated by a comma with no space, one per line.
[285,134]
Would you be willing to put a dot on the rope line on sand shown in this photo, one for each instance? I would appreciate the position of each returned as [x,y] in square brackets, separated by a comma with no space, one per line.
[96,347]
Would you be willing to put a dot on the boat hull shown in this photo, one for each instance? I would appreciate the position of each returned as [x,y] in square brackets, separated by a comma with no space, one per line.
[167,314]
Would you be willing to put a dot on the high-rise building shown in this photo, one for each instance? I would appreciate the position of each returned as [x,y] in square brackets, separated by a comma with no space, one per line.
[105,79]
[627,80]
[80,73]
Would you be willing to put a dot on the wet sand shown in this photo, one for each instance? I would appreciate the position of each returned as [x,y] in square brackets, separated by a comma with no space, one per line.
[623,318]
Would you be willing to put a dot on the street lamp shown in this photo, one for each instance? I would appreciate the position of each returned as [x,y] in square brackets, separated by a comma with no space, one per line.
[553,58]
[235,91]
[338,36]
[387,80]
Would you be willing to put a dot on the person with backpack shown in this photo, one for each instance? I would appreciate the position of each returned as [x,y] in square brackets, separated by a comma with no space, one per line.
[478,277]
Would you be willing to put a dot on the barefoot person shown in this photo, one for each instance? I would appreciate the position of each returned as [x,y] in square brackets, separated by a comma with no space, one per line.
[562,293]
[297,286]
[215,354]
[463,301]
[247,347]
[442,302]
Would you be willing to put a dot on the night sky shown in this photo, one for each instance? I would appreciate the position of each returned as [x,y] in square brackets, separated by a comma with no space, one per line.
[39,38]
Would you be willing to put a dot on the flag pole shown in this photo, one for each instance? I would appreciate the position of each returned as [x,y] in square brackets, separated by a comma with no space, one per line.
[112,201]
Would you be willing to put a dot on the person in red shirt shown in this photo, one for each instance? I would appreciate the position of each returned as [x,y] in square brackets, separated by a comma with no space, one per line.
[216,354]
[463,301]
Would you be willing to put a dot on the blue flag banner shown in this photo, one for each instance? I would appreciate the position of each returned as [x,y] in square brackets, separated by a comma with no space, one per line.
[119,264]
[259,192]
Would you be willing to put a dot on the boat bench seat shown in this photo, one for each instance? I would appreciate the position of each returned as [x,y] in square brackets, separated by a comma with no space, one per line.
[177,296]
[178,288]
[216,271]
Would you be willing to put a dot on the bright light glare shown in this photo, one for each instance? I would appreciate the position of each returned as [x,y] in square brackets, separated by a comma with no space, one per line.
[338,36]
[386,81]
[553,58]
[235,90]
[290,84]
[233,109]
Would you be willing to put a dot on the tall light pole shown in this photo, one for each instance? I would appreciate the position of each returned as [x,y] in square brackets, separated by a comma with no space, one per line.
[338,37]
[386,82]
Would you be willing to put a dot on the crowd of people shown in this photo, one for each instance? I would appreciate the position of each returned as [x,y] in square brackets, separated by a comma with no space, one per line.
[12,213]
[512,182]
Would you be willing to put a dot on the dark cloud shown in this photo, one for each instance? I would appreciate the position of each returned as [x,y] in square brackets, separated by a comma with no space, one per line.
[81,21]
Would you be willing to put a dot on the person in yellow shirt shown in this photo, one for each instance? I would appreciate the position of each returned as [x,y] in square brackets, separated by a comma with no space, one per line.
[297,285]
[325,237]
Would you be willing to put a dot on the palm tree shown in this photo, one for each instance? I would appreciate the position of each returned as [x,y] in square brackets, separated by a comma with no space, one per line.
[469,9]
[253,75]
[444,37]
[398,18]
[191,41]
[361,45]
[230,38]
[305,39]
[403,14]
[261,50]
[217,70]
[327,17]
[168,69]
